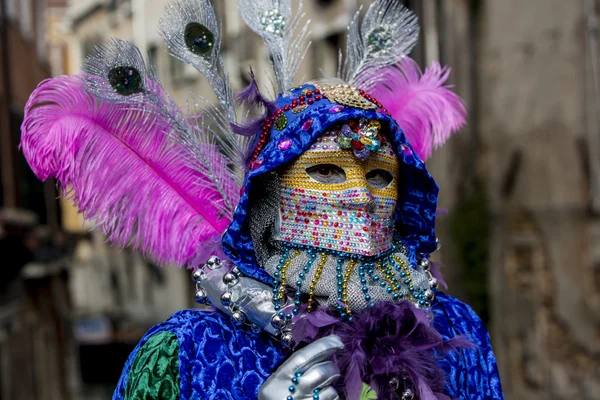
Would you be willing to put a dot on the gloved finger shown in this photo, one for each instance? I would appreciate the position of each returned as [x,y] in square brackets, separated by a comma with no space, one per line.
[318,376]
[328,393]
[314,353]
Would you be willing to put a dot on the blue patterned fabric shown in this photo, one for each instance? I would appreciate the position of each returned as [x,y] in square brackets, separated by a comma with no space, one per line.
[417,193]
[219,361]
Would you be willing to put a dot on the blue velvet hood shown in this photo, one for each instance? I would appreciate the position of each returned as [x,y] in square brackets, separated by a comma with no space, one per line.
[292,135]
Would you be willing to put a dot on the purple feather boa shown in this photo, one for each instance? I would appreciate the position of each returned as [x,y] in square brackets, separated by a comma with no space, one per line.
[386,341]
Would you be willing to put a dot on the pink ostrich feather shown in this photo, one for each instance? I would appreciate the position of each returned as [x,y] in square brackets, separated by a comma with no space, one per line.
[127,170]
[425,108]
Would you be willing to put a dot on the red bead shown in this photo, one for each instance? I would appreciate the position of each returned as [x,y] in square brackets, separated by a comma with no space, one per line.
[302,98]
[294,105]
[317,91]
[279,112]
[361,91]
[309,94]
[286,108]
[302,103]
[358,146]
[310,101]
[324,95]
[317,98]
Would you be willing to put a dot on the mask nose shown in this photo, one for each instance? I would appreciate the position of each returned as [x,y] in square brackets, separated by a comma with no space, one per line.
[361,196]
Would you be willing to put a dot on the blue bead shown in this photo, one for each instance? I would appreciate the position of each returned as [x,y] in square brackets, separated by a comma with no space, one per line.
[295,311]
[299,283]
[298,373]
[365,289]
[389,290]
[295,379]
[281,314]
[276,307]
[289,398]
[315,396]
[395,296]
[367,297]
[292,388]
[316,391]
[288,316]
[375,278]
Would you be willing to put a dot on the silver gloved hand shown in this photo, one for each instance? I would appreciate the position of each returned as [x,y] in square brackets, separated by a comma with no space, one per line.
[308,374]
[244,299]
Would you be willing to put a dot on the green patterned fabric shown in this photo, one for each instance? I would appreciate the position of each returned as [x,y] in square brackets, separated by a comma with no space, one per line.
[155,371]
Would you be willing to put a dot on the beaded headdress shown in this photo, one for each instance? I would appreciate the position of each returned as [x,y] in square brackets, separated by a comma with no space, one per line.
[179,187]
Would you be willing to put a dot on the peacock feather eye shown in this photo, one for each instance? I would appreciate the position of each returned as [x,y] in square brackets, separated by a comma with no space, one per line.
[125,80]
[199,39]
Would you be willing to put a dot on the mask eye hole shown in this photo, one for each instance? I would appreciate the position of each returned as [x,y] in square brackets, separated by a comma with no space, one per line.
[379,178]
[327,173]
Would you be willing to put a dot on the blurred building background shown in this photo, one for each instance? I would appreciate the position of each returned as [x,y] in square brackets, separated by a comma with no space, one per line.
[521,241]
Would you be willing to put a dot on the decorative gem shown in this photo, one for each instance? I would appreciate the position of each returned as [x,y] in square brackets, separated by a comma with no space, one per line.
[336,109]
[201,296]
[380,40]
[347,95]
[299,109]
[226,299]
[281,122]
[408,395]
[125,80]
[199,39]
[284,144]
[213,262]
[406,150]
[238,317]
[306,125]
[256,164]
[273,22]
[362,137]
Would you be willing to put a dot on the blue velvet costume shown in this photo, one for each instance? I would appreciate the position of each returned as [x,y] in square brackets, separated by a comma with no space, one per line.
[215,359]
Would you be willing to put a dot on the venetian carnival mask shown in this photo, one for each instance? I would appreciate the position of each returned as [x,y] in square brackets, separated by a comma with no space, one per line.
[341,194]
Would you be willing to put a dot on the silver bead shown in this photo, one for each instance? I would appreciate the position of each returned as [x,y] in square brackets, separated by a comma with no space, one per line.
[236,271]
[226,299]
[213,262]
[433,283]
[424,264]
[394,383]
[239,317]
[287,339]
[201,296]
[438,245]
[408,395]
[277,321]
[230,279]
[429,294]
[197,275]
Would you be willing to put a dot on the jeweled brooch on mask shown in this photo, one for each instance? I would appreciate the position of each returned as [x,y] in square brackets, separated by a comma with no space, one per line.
[361,136]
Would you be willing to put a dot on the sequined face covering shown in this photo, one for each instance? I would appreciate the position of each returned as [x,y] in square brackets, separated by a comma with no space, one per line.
[341,194]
